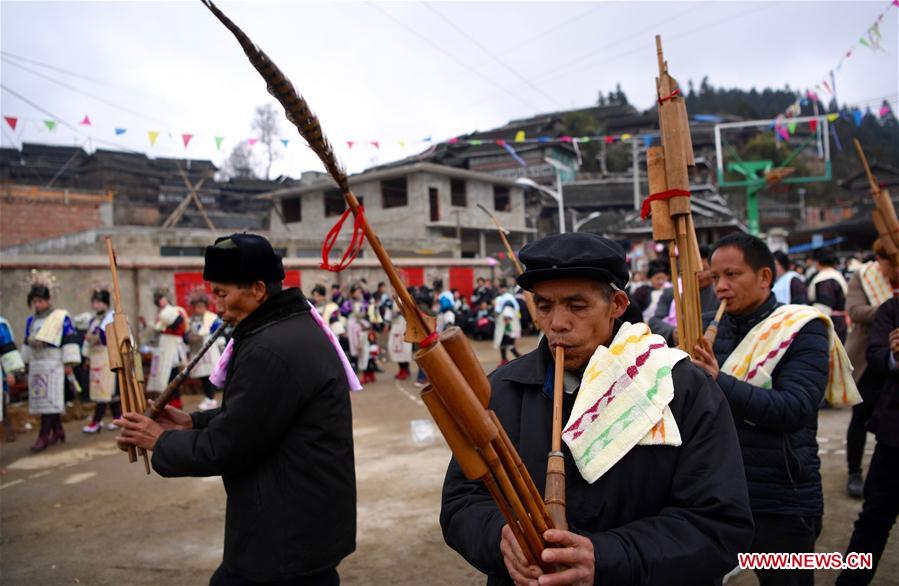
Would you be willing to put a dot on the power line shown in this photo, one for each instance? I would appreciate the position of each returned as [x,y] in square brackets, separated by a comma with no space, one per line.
[666,39]
[641,48]
[79,91]
[492,55]
[452,57]
[577,17]
[58,69]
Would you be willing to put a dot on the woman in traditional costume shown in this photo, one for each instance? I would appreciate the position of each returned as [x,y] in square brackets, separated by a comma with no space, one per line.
[170,351]
[51,350]
[102,380]
[203,324]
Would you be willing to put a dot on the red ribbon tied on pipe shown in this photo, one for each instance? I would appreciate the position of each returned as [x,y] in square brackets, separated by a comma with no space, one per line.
[644,211]
[355,242]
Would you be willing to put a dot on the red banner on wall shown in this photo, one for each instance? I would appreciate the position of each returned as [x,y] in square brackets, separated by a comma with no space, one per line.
[462,278]
[412,276]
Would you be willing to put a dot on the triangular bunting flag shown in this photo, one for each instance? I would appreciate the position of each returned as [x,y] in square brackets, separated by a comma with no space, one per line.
[120,131]
[857,116]
[152,135]
[475,142]
[519,136]
[376,144]
[791,127]
[218,142]
[625,136]
[862,41]
[609,139]
[402,144]
[836,138]
[884,110]
[285,142]
[12,121]
[85,121]
[647,141]
[350,143]
[185,138]
[832,117]
[252,141]
[813,125]
[50,124]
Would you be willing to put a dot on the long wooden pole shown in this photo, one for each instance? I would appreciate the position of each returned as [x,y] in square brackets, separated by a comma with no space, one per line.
[159,404]
[555,466]
[528,296]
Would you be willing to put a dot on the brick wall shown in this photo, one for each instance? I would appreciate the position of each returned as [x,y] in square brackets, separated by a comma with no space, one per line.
[23,221]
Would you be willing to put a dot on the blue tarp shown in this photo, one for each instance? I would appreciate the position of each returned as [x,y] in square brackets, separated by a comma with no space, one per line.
[809,246]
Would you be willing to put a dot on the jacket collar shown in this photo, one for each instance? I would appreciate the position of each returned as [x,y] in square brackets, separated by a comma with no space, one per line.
[285,304]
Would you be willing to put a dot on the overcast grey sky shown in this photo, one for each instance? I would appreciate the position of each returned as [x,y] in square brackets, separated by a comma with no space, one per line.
[392,72]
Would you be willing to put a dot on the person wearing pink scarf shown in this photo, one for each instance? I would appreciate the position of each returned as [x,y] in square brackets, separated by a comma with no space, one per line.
[282,440]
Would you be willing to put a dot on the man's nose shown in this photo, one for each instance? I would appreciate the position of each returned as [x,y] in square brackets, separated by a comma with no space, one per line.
[558,322]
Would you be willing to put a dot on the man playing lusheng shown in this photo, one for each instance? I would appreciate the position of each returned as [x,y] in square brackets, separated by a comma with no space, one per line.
[282,439]
[774,372]
[656,492]
[869,288]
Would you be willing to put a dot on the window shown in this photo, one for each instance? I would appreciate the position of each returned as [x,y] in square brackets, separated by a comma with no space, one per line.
[292,210]
[334,203]
[434,203]
[502,202]
[458,196]
[394,193]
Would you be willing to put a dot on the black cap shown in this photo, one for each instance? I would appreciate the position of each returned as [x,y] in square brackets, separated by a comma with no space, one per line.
[576,255]
[242,258]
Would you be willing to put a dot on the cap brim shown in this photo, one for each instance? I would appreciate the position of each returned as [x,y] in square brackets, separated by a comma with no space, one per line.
[529,278]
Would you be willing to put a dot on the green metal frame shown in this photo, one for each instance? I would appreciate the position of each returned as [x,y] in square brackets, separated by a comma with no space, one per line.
[755,182]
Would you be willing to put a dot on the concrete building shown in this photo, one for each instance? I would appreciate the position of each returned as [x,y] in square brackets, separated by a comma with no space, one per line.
[418,209]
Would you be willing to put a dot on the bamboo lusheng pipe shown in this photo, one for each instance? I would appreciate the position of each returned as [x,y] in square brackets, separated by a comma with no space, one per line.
[458,397]
[457,346]
[474,467]
[528,296]
[884,213]
[675,157]
[121,357]
[712,331]
[555,466]
[159,404]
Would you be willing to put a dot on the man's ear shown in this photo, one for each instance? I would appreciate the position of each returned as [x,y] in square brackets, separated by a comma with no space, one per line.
[766,276]
[620,302]
[259,291]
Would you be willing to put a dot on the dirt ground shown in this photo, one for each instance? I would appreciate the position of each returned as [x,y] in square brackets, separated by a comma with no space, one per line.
[80,514]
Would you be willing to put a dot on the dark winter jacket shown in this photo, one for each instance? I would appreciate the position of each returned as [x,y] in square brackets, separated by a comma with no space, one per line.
[661,515]
[777,426]
[282,442]
[885,420]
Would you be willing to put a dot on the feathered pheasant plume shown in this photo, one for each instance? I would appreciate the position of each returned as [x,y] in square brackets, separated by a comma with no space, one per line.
[295,106]
[301,116]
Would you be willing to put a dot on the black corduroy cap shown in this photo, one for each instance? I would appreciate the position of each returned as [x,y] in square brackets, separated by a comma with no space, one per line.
[575,255]
[242,258]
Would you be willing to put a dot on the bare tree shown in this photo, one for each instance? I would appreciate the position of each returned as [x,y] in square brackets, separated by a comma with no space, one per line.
[240,162]
[265,122]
